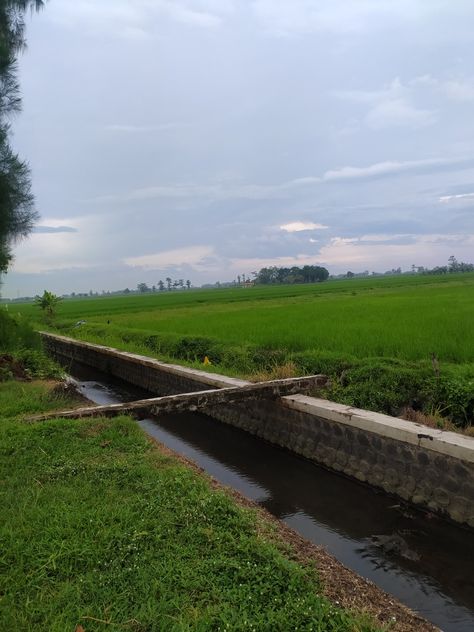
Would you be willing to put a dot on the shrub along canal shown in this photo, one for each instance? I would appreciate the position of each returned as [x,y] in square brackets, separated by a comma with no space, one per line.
[422,560]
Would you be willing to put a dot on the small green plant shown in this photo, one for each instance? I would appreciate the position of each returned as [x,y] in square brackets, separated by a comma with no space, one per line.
[48,303]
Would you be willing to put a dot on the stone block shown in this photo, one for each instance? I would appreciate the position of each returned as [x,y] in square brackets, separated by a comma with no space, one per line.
[441,497]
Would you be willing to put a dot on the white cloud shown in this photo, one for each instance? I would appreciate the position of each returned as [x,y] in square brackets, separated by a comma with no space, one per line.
[398,113]
[426,250]
[392,106]
[296,227]
[387,168]
[459,196]
[194,256]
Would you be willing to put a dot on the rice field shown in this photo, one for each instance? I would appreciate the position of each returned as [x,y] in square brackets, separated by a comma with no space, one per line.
[400,345]
[404,317]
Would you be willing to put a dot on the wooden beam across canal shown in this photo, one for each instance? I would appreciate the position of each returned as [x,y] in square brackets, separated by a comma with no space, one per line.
[192,402]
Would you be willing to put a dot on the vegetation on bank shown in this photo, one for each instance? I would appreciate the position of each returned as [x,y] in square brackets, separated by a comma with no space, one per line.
[398,345]
[101,529]
[21,354]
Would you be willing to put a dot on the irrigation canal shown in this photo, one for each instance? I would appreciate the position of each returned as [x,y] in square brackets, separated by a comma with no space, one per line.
[424,562]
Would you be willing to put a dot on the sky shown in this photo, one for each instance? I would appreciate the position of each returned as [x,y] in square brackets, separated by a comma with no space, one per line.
[204,139]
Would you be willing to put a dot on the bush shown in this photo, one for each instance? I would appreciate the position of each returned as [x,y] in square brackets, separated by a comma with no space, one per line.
[384,385]
[197,348]
[267,358]
[17,333]
[451,396]
[314,362]
[39,365]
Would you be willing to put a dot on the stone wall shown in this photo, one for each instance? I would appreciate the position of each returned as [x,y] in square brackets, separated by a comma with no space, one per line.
[429,468]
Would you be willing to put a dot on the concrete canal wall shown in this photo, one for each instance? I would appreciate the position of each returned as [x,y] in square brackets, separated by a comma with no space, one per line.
[430,468]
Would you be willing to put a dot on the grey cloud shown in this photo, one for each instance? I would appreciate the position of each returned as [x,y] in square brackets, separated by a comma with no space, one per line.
[142,129]
[202,126]
[54,229]
[133,20]
[248,191]
[337,16]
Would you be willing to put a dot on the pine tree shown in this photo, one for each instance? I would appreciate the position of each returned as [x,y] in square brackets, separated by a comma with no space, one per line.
[17,213]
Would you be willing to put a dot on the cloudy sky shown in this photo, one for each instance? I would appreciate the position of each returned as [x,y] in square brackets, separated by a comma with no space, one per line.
[202,139]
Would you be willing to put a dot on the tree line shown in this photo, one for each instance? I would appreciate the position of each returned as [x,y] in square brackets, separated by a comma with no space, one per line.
[17,212]
[177,284]
[454,266]
[305,274]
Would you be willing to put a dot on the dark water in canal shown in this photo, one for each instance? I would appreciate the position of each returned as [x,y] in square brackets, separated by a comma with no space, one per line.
[424,562]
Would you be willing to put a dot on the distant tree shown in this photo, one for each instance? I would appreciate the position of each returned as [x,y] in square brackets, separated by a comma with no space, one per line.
[181,283]
[153,288]
[48,303]
[161,285]
[142,288]
[306,274]
[168,283]
[453,264]
[175,284]
[126,291]
[188,284]
[350,274]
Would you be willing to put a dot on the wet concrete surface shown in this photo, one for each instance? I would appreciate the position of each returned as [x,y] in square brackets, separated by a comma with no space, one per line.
[423,561]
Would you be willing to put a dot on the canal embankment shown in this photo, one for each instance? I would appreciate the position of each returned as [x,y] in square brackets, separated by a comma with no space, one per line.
[429,468]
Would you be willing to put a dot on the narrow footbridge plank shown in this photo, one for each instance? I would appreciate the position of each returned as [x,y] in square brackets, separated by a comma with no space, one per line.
[194,401]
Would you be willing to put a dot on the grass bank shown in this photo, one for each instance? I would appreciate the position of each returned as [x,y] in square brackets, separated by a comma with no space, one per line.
[100,529]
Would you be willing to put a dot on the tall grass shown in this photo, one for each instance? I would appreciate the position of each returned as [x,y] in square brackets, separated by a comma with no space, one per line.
[16,333]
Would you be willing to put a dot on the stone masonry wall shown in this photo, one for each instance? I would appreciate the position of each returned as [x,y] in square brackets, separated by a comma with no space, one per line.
[429,468]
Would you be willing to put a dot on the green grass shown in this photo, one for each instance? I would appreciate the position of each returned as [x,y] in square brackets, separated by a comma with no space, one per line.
[363,332]
[101,529]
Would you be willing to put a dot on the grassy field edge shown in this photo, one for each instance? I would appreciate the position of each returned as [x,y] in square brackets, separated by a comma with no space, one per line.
[102,528]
